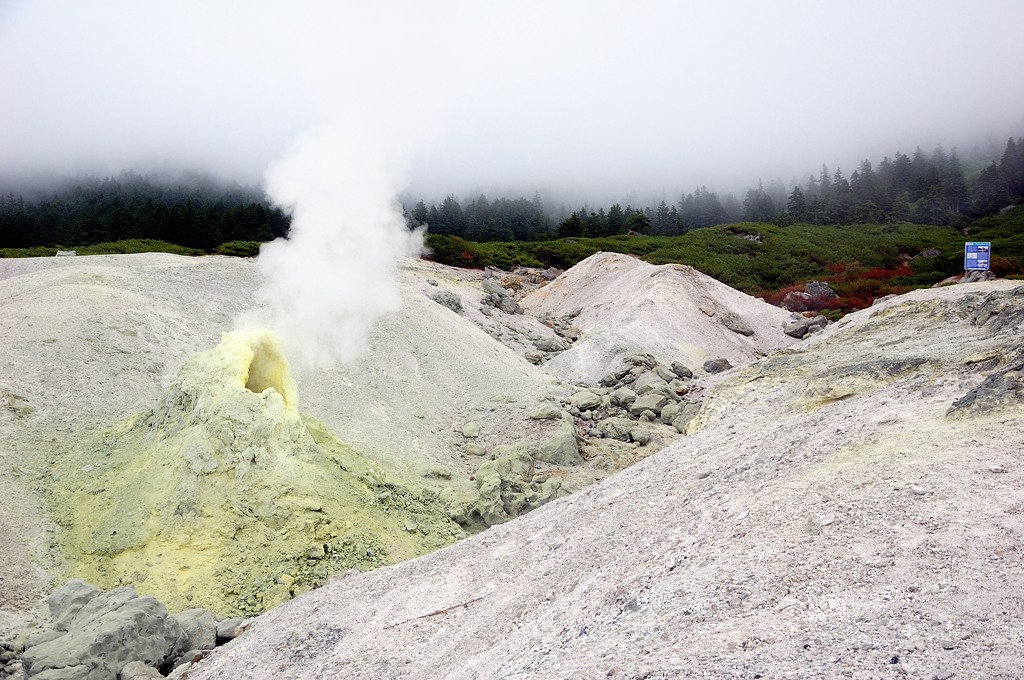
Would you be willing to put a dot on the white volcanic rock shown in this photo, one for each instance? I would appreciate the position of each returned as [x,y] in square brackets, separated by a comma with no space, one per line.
[852,508]
[671,311]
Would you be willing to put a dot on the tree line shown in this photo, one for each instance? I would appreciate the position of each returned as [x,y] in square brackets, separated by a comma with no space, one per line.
[922,188]
[197,213]
[200,213]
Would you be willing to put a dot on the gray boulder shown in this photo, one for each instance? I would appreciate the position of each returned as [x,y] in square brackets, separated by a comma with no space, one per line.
[678,386]
[670,411]
[552,344]
[665,373]
[136,670]
[623,396]
[585,400]
[642,359]
[562,447]
[507,486]
[509,306]
[735,323]
[717,365]
[640,435]
[105,633]
[802,326]
[68,600]
[616,428]
[648,402]
[199,626]
[649,382]
[448,299]
[492,287]
[546,411]
[229,629]
[687,412]
[681,370]
[821,290]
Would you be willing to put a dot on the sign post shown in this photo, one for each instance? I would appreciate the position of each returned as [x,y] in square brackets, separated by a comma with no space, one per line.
[977,256]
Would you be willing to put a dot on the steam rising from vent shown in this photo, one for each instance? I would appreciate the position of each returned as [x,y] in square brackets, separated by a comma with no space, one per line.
[327,284]
[333,277]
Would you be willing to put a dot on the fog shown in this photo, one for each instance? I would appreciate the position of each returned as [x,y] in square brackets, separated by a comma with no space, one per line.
[576,98]
[337,109]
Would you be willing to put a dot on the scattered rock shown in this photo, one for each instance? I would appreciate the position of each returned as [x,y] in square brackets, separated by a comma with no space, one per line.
[560,448]
[623,396]
[475,450]
[681,370]
[585,400]
[199,626]
[640,435]
[471,430]
[551,344]
[687,412]
[505,487]
[136,670]
[717,365]
[616,427]
[802,326]
[650,382]
[448,299]
[229,629]
[735,323]
[102,633]
[546,411]
[649,402]
[670,411]
[492,287]
[815,296]
[509,306]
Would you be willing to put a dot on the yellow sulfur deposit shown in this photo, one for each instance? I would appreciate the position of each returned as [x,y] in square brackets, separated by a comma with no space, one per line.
[225,496]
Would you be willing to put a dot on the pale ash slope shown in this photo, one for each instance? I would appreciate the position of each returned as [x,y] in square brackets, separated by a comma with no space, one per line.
[672,311]
[832,517]
[94,338]
[87,342]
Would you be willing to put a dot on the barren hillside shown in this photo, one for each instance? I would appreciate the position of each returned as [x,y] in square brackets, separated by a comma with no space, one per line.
[851,508]
[846,506]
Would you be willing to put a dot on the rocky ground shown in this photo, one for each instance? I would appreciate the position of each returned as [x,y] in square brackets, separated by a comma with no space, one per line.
[848,505]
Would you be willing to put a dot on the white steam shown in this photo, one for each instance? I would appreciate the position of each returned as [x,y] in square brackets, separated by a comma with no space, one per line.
[326,285]
[370,72]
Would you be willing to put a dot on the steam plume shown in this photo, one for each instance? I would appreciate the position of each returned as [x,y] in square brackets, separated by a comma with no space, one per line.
[326,285]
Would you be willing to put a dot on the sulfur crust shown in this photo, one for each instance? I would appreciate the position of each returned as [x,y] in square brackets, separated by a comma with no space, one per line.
[225,496]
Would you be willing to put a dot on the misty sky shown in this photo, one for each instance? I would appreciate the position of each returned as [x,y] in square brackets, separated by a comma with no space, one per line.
[586,98]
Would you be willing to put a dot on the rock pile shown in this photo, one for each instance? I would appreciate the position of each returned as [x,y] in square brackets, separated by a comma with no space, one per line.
[496,296]
[640,394]
[566,333]
[99,635]
[641,390]
[509,485]
[800,326]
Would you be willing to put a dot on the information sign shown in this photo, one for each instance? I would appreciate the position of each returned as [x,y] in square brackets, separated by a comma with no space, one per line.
[977,256]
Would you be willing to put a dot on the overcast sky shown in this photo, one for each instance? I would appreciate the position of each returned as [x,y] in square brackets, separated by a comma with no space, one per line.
[587,98]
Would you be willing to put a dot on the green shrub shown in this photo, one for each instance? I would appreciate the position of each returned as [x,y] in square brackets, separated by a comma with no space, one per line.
[239,248]
[125,247]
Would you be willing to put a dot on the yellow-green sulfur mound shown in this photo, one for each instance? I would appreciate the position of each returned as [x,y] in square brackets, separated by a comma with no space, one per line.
[225,496]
